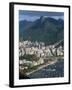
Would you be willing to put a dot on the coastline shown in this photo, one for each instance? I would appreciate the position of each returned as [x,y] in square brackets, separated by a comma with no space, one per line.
[42,66]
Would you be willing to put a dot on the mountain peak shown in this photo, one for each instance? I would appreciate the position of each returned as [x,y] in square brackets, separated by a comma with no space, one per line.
[42,18]
[45,29]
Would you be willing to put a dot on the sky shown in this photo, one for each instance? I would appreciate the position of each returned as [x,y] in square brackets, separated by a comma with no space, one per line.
[34,15]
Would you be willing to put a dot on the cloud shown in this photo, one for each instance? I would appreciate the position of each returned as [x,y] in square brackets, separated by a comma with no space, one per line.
[33,15]
[28,18]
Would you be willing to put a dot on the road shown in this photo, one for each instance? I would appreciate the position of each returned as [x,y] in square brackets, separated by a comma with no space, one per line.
[45,64]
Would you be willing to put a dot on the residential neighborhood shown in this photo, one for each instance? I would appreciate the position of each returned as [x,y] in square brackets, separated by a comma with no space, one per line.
[33,54]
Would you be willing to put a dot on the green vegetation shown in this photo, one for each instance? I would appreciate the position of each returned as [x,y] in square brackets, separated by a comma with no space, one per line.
[29,57]
[47,30]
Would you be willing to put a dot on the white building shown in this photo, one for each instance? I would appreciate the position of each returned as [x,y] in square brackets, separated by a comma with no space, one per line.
[22,67]
[27,50]
[48,52]
[20,62]
[21,52]
[24,61]
[39,53]
[60,51]
[40,61]
[34,63]
[43,48]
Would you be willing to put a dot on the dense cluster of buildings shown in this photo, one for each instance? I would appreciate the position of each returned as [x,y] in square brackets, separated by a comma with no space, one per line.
[40,50]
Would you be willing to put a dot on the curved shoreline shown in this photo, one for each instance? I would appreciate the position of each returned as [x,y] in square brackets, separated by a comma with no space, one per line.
[41,67]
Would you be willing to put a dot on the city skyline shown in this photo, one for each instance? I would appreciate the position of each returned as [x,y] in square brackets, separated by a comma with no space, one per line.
[41,44]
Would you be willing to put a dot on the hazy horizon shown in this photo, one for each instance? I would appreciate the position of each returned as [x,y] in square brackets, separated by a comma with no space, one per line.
[34,15]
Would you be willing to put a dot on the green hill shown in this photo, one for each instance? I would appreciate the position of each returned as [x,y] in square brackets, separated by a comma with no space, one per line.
[48,30]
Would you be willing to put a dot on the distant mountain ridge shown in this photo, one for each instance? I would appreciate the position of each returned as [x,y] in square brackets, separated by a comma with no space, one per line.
[45,29]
